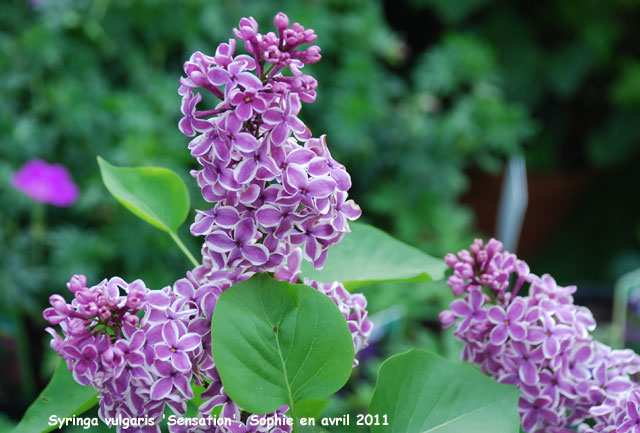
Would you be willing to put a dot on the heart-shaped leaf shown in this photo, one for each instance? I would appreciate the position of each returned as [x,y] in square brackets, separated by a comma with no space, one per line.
[420,392]
[63,397]
[368,255]
[156,195]
[276,343]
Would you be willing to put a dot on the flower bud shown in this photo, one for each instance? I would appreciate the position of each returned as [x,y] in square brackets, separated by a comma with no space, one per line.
[108,355]
[92,308]
[59,304]
[486,279]
[281,21]
[447,318]
[312,55]
[309,36]
[84,296]
[450,260]
[482,256]
[76,283]
[131,319]
[77,327]
[104,313]
[248,28]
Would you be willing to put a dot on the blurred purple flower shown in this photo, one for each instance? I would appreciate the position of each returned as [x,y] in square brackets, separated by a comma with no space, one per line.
[46,183]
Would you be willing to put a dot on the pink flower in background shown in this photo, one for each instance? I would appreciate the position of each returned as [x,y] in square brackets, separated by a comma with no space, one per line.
[46,183]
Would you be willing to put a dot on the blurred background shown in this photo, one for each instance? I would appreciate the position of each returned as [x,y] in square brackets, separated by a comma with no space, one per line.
[424,101]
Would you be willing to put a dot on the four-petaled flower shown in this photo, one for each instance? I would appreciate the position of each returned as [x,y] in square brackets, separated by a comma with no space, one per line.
[85,365]
[283,121]
[241,244]
[508,324]
[175,346]
[470,309]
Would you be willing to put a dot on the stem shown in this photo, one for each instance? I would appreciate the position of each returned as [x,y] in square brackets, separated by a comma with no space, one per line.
[492,295]
[517,287]
[213,89]
[295,421]
[265,74]
[37,232]
[184,249]
[273,72]
[37,228]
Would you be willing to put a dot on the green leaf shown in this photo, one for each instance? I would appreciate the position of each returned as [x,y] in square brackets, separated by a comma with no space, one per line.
[277,343]
[423,393]
[368,255]
[63,397]
[156,195]
[311,407]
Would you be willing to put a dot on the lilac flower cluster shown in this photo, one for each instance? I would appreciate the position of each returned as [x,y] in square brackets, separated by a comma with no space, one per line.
[280,198]
[142,350]
[539,342]
[136,348]
[279,193]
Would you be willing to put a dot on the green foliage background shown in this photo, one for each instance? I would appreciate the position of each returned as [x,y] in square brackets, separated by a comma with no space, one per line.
[413,96]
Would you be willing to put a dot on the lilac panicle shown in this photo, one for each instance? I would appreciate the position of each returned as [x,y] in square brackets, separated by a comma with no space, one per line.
[280,198]
[279,195]
[258,157]
[46,183]
[112,338]
[525,330]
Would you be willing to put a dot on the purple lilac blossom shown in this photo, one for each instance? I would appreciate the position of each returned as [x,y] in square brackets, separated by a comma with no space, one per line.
[113,338]
[279,195]
[540,342]
[279,201]
[258,157]
[46,183]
